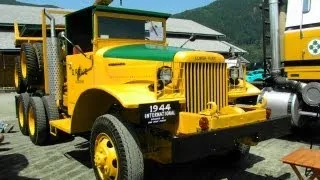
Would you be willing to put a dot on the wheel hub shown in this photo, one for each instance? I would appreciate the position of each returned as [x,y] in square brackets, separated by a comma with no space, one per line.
[23,64]
[31,118]
[21,117]
[16,77]
[105,157]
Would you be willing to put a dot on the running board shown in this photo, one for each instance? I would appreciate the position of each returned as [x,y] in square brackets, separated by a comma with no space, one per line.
[62,124]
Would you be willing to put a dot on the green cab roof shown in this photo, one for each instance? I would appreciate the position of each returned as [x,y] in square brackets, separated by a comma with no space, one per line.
[123,11]
[143,52]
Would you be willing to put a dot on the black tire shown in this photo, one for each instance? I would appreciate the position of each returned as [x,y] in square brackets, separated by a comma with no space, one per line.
[23,102]
[20,84]
[28,55]
[16,100]
[37,121]
[39,53]
[51,108]
[130,159]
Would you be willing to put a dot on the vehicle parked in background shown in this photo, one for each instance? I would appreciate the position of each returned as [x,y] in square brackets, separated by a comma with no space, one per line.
[255,75]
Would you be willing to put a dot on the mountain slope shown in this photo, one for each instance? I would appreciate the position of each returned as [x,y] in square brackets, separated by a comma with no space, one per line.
[14,2]
[239,20]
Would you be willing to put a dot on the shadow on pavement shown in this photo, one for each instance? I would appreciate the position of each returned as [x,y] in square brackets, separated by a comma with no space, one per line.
[214,167]
[11,165]
[308,135]
[13,131]
[60,139]
[5,149]
[207,169]
[81,154]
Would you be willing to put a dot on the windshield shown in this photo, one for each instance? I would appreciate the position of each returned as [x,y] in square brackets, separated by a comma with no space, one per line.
[118,28]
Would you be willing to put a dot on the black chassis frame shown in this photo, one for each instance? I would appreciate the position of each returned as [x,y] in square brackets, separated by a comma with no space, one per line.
[201,145]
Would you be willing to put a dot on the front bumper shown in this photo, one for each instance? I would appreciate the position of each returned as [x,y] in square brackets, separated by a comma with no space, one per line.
[187,148]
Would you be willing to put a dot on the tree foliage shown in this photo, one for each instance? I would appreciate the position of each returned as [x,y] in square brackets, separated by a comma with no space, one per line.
[239,20]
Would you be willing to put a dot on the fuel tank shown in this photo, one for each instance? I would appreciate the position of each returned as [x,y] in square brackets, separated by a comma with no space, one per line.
[281,104]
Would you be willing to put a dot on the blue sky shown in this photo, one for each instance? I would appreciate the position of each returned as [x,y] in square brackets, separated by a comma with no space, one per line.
[167,6]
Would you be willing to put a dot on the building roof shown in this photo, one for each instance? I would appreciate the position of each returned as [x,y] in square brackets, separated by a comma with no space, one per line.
[24,14]
[7,40]
[204,45]
[32,15]
[183,26]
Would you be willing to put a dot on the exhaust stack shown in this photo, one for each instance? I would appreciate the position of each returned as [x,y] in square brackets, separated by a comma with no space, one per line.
[55,68]
[274,34]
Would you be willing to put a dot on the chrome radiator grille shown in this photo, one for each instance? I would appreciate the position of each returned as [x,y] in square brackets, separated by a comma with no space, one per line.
[205,82]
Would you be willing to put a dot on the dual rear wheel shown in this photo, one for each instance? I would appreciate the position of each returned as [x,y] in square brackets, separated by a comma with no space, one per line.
[28,67]
[34,114]
[37,121]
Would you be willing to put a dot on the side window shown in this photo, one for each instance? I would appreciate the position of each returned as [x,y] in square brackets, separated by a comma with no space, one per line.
[306,6]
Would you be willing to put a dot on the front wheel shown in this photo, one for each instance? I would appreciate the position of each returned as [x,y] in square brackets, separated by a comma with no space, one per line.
[115,153]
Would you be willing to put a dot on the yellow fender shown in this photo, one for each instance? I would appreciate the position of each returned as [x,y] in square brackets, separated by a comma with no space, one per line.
[97,101]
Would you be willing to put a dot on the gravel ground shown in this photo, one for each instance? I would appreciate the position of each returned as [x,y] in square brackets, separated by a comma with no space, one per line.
[69,159]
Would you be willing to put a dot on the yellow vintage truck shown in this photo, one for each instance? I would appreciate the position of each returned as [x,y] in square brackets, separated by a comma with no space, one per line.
[109,71]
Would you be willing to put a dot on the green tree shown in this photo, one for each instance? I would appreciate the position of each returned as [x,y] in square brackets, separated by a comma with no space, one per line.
[239,20]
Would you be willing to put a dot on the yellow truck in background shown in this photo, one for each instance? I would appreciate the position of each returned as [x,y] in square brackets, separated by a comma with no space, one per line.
[292,56]
[109,71]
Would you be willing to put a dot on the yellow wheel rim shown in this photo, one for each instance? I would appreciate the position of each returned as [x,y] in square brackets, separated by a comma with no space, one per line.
[21,117]
[105,157]
[31,118]
[16,76]
[23,64]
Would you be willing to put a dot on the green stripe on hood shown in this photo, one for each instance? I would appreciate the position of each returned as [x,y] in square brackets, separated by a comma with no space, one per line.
[143,52]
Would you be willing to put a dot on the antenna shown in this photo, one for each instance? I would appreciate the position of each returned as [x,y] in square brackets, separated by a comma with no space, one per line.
[191,38]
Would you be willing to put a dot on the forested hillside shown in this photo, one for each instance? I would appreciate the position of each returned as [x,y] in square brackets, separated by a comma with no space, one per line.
[239,20]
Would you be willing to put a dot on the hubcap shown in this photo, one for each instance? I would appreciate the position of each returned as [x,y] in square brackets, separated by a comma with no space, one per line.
[23,64]
[16,77]
[21,117]
[105,157]
[31,119]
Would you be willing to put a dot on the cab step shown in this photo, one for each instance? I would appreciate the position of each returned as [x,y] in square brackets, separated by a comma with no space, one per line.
[61,124]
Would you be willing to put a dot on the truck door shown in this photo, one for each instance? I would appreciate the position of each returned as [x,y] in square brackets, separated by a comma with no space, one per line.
[302,35]
[310,41]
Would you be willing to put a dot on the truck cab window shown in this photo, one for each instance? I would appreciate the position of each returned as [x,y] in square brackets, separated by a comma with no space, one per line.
[117,28]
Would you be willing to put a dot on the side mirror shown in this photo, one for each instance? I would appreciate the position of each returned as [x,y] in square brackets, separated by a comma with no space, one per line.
[76,48]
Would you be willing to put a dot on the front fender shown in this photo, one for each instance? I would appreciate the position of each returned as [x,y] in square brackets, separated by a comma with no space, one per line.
[132,94]
[243,90]
[98,100]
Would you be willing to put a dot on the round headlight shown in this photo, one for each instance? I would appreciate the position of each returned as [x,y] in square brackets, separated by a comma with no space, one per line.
[165,75]
[234,73]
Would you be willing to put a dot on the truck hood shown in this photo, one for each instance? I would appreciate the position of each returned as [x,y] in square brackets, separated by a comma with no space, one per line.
[144,52]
